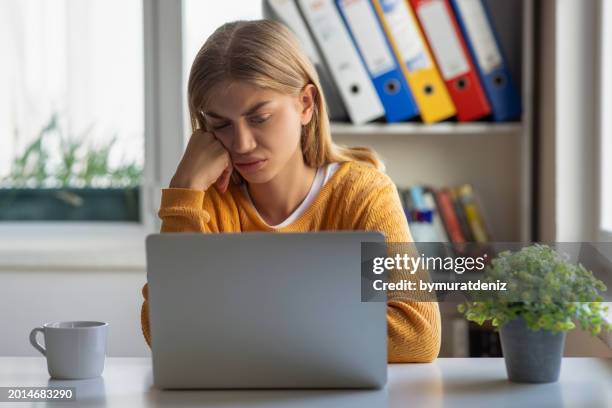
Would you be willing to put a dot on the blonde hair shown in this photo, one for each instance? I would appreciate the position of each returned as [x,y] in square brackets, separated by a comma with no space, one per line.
[265,53]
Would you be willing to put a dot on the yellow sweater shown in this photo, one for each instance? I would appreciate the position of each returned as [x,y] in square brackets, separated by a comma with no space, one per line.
[357,197]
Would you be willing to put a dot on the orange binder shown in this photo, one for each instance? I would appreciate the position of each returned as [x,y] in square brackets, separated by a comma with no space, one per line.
[410,48]
[448,46]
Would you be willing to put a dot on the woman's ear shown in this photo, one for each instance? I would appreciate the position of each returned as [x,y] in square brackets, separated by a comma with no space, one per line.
[307,103]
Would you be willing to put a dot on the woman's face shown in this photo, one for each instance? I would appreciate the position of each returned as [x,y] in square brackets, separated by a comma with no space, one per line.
[260,128]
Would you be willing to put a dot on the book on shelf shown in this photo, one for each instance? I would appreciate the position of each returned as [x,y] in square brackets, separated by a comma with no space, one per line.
[447,214]
[473,213]
[446,208]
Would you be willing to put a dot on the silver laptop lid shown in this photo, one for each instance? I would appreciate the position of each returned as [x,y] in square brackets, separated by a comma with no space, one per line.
[263,310]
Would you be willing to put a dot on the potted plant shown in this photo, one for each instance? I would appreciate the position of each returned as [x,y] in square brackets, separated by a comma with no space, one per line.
[81,185]
[546,296]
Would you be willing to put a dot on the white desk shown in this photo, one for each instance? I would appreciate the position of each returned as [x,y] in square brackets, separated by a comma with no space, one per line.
[448,382]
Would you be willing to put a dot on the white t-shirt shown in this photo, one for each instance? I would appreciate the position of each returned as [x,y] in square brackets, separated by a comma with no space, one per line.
[323,175]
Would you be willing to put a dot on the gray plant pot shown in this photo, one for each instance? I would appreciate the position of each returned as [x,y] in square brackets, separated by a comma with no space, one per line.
[531,356]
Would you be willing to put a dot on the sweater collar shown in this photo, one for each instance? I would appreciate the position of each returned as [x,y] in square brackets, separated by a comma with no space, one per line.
[248,210]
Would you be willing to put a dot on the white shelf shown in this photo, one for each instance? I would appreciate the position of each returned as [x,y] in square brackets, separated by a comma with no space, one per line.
[423,129]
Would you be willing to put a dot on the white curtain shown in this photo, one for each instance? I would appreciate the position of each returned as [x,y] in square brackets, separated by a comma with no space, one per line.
[81,59]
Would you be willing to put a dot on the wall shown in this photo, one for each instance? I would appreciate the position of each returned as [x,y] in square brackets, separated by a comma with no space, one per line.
[443,160]
[32,298]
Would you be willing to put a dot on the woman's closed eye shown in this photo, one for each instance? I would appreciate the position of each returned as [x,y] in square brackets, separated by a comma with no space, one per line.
[219,126]
[255,120]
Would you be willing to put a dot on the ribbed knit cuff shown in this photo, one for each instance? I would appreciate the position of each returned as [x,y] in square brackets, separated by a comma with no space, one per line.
[182,197]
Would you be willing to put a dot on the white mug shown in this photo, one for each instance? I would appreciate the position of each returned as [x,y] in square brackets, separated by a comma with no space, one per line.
[74,350]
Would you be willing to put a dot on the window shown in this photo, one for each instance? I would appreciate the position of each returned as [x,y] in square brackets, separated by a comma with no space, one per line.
[606,121]
[200,20]
[72,115]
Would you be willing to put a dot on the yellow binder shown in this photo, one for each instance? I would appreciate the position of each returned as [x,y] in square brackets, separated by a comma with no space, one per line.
[419,68]
[473,213]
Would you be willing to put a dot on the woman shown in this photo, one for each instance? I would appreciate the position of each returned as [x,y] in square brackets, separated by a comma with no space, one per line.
[261,158]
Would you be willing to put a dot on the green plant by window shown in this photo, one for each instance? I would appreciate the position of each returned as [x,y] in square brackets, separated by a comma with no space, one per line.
[544,289]
[80,165]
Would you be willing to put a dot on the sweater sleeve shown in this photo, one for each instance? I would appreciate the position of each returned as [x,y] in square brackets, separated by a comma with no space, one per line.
[414,328]
[181,210]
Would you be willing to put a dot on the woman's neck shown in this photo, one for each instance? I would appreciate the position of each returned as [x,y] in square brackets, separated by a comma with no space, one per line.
[278,198]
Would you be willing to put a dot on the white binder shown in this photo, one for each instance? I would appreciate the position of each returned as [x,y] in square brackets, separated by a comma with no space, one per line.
[287,12]
[333,39]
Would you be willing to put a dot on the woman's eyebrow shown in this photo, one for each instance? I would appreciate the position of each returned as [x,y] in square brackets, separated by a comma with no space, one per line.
[249,111]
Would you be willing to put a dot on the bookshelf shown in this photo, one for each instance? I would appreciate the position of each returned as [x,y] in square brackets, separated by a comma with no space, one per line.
[496,158]
[408,128]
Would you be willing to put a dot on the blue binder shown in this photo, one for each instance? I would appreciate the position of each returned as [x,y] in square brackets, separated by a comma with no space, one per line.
[484,45]
[375,51]
[418,199]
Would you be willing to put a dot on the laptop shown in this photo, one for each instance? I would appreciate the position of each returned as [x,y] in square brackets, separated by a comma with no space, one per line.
[263,310]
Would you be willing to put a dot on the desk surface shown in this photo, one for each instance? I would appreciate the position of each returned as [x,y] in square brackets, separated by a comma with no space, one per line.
[456,382]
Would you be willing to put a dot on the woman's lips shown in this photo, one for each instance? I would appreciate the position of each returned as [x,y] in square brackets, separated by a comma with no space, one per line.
[249,167]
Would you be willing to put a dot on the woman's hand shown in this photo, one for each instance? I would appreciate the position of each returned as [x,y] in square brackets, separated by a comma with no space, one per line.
[205,161]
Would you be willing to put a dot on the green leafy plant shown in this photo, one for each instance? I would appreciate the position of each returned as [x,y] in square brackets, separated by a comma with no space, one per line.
[544,289]
[80,164]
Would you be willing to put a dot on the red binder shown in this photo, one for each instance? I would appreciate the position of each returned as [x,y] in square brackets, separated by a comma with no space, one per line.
[446,43]
[451,222]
